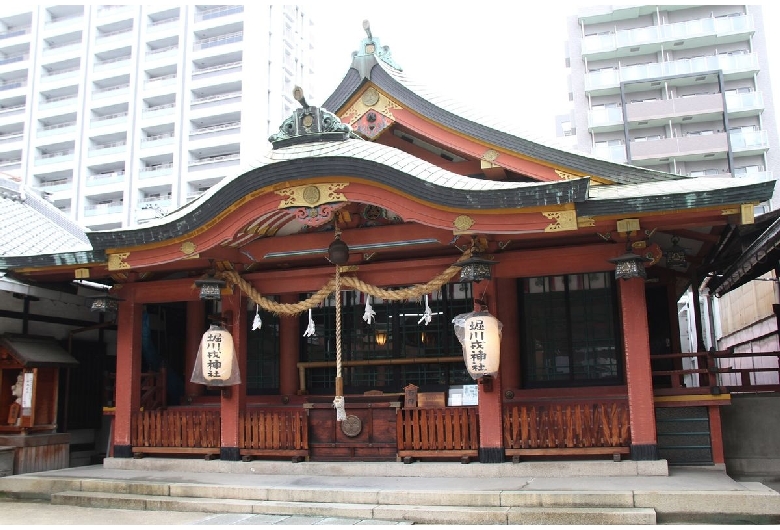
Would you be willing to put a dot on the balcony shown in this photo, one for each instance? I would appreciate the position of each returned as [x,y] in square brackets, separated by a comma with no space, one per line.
[157,170]
[214,131]
[157,139]
[613,153]
[107,149]
[58,75]
[14,59]
[8,164]
[200,73]
[749,142]
[108,119]
[693,147]
[608,80]
[65,155]
[605,119]
[748,104]
[58,101]
[653,37]
[216,12]
[73,47]
[116,90]
[215,100]
[162,24]
[55,129]
[161,53]
[219,40]
[52,186]
[109,64]
[11,85]
[14,32]
[160,81]
[103,179]
[109,10]
[106,208]
[218,161]
[10,138]
[158,110]
[64,23]
[666,109]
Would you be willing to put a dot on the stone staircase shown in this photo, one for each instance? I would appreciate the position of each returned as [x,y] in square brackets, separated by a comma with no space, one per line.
[421,507]
[418,494]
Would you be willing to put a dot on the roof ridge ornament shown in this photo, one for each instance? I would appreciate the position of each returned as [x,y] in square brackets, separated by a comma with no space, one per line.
[310,124]
[371,47]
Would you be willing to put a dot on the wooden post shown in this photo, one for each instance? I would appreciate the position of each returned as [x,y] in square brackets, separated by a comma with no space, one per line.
[636,342]
[128,370]
[510,340]
[491,448]
[196,325]
[233,399]
[289,339]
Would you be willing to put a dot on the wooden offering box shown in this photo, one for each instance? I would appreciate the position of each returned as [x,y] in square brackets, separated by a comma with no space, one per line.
[29,382]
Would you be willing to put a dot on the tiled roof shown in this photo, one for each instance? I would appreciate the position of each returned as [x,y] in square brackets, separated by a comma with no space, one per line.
[33,226]
[679,194]
[349,158]
[463,118]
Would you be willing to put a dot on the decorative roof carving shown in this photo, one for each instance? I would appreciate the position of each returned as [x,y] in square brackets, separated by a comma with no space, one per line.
[370,46]
[310,124]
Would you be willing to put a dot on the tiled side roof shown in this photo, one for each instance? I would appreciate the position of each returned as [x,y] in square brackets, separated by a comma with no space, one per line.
[678,194]
[32,226]
[350,158]
[460,118]
[344,91]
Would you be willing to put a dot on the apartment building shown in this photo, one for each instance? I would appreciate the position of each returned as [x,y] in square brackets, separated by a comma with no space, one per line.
[121,113]
[682,89]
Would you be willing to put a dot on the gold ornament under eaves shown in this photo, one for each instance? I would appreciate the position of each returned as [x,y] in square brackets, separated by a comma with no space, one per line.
[312,195]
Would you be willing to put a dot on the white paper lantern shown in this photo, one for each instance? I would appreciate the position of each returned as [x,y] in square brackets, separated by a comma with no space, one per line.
[216,349]
[482,344]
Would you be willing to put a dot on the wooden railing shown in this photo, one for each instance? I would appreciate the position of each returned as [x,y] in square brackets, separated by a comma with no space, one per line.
[153,390]
[438,433]
[282,432]
[566,429]
[175,431]
[711,373]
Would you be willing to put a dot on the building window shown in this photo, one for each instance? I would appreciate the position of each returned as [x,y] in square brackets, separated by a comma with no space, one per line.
[262,354]
[570,331]
[397,336]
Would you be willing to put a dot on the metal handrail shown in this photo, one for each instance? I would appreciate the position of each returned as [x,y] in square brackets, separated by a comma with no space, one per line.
[220,11]
[58,72]
[211,159]
[57,126]
[111,88]
[157,137]
[110,116]
[217,67]
[162,50]
[159,107]
[221,126]
[216,97]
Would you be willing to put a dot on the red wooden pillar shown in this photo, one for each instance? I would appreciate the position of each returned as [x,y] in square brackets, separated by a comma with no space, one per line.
[716,435]
[491,447]
[128,370]
[196,325]
[508,314]
[233,399]
[641,407]
[289,338]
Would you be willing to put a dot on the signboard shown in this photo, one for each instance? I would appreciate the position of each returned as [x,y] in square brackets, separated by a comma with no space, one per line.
[470,394]
[27,393]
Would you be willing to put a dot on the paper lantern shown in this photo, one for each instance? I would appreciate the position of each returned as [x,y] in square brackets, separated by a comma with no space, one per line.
[482,344]
[216,354]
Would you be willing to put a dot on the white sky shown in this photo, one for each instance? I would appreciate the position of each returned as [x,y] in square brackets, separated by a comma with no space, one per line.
[475,52]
